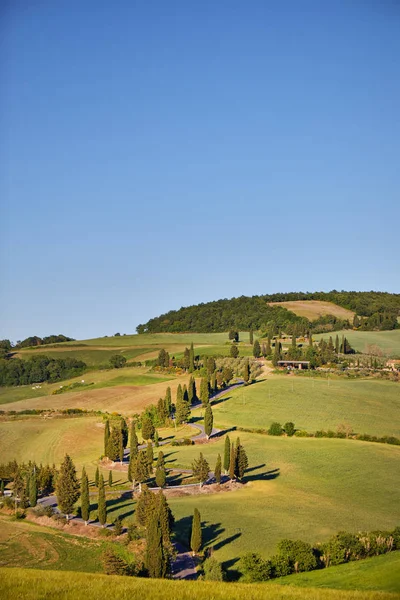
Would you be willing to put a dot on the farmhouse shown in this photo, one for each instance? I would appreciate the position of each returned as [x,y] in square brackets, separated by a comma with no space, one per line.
[294,364]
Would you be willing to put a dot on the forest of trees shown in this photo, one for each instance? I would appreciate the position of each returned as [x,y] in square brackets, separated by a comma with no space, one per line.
[378,309]
[38,341]
[38,369]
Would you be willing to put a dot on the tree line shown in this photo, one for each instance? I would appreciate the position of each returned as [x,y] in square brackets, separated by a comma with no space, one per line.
[254,313]
[38,369]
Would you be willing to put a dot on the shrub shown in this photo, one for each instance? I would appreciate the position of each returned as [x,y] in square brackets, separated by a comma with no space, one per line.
[118,526]
[19,514]
[289,428]
[133,533]
[301,433]
[299,554]
[113,564]
[255,568]
[213,570]
[275,429]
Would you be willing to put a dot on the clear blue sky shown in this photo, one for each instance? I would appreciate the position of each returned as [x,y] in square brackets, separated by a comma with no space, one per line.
[159,154]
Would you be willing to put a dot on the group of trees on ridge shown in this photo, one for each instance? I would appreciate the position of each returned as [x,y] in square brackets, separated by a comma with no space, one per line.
[246,313]
[38,369]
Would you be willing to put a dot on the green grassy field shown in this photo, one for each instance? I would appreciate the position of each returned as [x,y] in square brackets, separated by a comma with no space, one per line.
[388,341]
[298,488]
[25,544]
[369,406]
[149,339]
[378,573]
[92,356]
[95,380]
[30,584]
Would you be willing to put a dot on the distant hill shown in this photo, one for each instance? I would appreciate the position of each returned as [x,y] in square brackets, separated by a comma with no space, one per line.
[378,311]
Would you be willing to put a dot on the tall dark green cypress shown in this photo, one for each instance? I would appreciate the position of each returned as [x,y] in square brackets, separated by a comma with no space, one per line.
[85,501]
[204,393]
[191,358]
[155,562]
[133,448]
[110,478]
[2,487]
[102,505]
[208,421]
[217,470]
[227,454]
[33,489]
[232,463]
[97,477]
[337,344]
[251,336]
[168,401]
[195,537]
[246,371]
[161,477]
[67,486]
[150,456]
[106,437]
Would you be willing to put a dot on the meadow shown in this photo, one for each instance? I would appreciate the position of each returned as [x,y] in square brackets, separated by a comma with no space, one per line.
[387,341]
[377,573]
[30,584]
[297,488]
[368,405]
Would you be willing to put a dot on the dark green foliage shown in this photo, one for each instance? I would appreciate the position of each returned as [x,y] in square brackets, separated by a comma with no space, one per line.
[117,361]
[192,391]
[132,467]
[38,369]
[234,335]
[277,354]
[275,429]
[37,341]
[2,487]
[106,437]
[110,479]
[150,456]
[217,470]
[160,460]
[163,358]
[213,570]
[191,358]
[227,454]
[186,358]
[113,564]
[145,507]
[232,462]
[204,393]
[156,439]
[182,406]
[155,561]
[256,349]
[201,469]
[67,486]
[251,336]
[211,366]
[161,477]
[208,421]
[148,428]
[289,428]
[195,537]
[241,460]
[159,521]
[115,444]
[166,518]
[133,441]
[168,401]
[125,432]
[255,568]
[299,554]
[141,471]
[97,477]
[33,489]
[234,352]
[102,505]
[118,526]
[85,501]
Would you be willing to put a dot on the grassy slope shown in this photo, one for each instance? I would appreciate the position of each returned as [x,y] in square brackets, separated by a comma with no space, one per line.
[298,488]
[378,573]
[133,376]
[312,309]
[388,341]
[28,545]
[369,406]
[92,356]
[30,585]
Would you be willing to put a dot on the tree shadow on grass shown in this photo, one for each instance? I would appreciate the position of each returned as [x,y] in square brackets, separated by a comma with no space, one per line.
[226,541]
[224,432]
[265,476]
[231,574]
[220,400]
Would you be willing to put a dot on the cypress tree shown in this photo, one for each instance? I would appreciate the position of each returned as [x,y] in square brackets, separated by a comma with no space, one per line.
[150,456]
[85,502]
[191,358]
[201,469]
[67,486]
[166,519]
[161,476]
[185,394]
[227,454]
[251,336]
[182,406]
[96,478]
[168,401]
[33,489]
[156,439]
[195,538]
[148,429]
[125,432]
[337,344]
[234,351]
[342,345]
[154,550]
[186,358]
[115,444]
[145,507]
[204,394]
[160,459]
[121,445]
[141,472]
[241,460]
[133,441]
[310,340]
[256,349]
[132,469]
[102,505]
[217,470]
[2,487]
[110,479]
[277,353]
[268,349]
[106,437]
[208,421]
[232,463]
